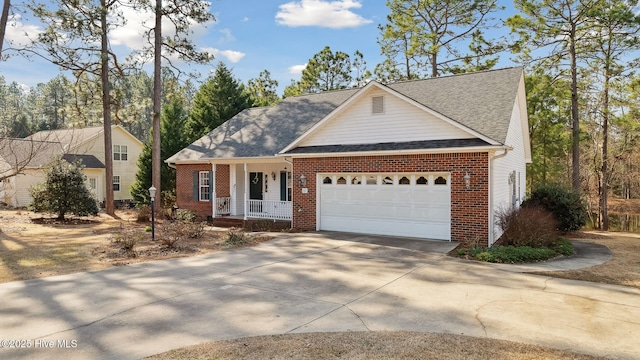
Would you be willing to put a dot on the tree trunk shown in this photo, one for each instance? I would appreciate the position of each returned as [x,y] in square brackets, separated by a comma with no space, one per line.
[3,23]
[434,65]
[575,119]
[106,111]
[157,106]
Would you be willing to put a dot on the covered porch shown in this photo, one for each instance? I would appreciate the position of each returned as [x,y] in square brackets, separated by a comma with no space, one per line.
[256,190]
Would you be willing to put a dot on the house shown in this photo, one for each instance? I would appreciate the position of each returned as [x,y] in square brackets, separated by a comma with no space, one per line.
[85,145]
[433,159]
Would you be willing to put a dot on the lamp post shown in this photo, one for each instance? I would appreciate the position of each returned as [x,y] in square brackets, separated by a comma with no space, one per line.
[152,193]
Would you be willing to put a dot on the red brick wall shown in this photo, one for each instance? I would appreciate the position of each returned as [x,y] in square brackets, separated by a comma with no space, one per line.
[469,208]
[184,187]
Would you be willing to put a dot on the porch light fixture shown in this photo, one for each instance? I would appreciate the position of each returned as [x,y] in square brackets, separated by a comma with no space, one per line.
[273,176]
[467,180]
[302,181]
[152,194]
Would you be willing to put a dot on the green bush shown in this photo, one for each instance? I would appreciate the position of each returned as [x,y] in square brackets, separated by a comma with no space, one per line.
[515,254]
[64,191]
[565,204]
[527,226]
[564,247]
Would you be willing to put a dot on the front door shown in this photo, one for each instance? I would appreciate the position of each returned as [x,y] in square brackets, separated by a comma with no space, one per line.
[255,185]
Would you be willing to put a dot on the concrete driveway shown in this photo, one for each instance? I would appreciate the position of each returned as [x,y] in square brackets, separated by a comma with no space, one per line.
[309,283]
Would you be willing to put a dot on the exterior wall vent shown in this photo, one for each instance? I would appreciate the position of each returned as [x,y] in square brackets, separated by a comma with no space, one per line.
[377,105]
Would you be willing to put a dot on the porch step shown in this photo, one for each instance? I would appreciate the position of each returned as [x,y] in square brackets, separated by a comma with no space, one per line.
[227,222]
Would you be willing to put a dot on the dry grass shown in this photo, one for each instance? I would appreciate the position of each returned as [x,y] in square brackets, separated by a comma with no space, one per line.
[368,345]
[622,269]
[33,246]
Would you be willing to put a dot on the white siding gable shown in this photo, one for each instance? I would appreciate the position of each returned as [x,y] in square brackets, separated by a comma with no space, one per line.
[399,121]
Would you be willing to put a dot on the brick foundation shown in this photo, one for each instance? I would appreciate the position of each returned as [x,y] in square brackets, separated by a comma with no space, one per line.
[469,208]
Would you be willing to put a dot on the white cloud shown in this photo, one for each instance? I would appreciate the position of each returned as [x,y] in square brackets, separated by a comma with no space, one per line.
[245,19]
[323,13]
[227,36]
[297,69]
[132,34]
[18,34]
[231,55]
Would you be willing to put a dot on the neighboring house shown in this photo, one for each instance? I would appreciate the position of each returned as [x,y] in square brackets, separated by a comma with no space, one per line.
[434,159]
[85,145]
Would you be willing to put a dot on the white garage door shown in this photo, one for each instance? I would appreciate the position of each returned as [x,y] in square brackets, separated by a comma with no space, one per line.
[412,205]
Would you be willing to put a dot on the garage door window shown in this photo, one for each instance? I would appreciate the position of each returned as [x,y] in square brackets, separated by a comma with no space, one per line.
[440,181]
[356,180]
[422,181]
[327,180]
[341,181]
[372,180]
[387,181]
[404,181]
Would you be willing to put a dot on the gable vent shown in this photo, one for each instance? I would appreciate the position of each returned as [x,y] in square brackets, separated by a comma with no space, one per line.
[377,105]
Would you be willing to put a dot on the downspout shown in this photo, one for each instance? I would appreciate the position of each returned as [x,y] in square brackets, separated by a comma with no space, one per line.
[504,153]
[213,191]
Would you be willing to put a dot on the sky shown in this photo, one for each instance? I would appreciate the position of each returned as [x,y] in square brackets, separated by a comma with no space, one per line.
[247,35]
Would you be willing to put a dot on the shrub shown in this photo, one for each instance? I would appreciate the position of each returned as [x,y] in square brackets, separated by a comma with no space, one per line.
[527,226]
[237,238]
[513,254]
[143,214]
[564,247]
[174,231]
[127,239]
[186,215]
[565,204]
[64,191]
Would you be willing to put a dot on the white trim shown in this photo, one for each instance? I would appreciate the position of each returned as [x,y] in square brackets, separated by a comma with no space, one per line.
[236,160]
[524,119]
[200,184]
[318,190]
[360,93]
[491,214]
[246,190]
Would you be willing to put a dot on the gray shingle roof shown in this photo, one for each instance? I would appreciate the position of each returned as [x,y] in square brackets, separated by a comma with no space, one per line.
[25,153]
[88,161]
[480,101]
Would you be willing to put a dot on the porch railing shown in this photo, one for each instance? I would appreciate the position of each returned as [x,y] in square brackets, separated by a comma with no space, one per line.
[223,206]
[265,209]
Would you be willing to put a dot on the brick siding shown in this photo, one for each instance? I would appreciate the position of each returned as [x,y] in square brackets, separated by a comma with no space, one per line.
[469,208]
[184,187]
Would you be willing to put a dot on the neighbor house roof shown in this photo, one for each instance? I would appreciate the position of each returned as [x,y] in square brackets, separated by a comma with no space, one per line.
[25,153]
[87,161]
[482,102]
[69,138]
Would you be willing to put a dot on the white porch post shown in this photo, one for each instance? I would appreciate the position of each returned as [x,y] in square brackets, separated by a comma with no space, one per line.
[214,201]
[246,191]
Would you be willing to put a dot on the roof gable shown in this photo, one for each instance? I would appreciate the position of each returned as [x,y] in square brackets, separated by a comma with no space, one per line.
[402,120]
[73,138]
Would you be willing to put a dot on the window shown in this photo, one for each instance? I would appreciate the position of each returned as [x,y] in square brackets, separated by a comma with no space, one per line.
[404,181]
[440,181]
[387,181]
[203,184]
[356,180]
[116,182]
[120,152]
[377,105]
[326,180]
[372,180]
[422,181]
[341,181]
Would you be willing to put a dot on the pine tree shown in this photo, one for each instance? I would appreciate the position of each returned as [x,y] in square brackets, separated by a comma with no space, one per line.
[174,139]
[217,100]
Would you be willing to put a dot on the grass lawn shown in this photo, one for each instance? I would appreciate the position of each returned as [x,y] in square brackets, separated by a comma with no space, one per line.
[33,247]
